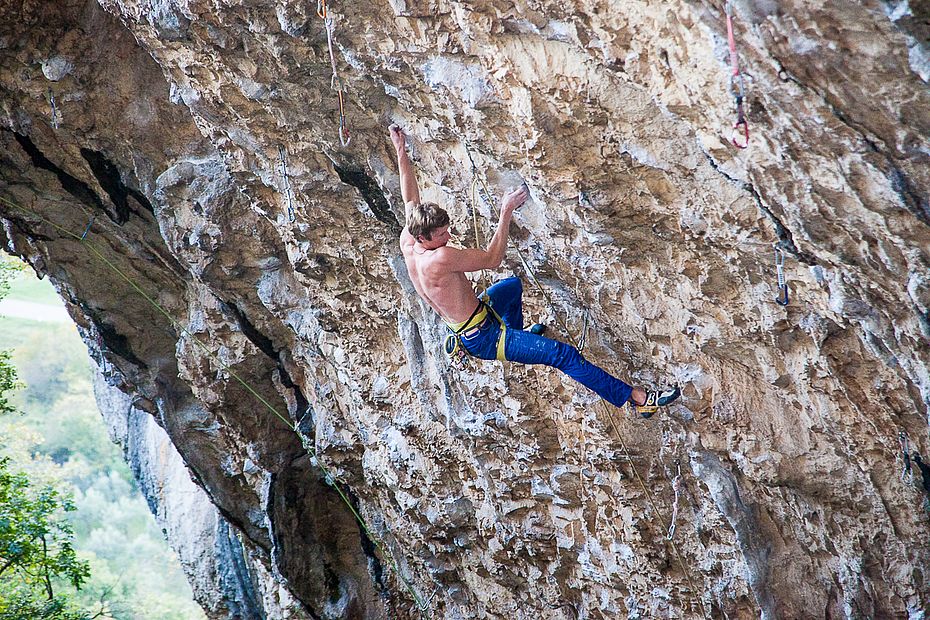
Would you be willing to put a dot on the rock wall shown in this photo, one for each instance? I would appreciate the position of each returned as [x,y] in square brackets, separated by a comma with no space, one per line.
[499,490]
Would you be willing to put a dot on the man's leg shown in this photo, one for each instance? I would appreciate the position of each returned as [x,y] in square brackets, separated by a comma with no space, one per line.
[506,298]
[529,348]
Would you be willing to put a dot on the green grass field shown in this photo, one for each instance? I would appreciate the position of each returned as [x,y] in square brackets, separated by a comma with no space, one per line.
[26,287]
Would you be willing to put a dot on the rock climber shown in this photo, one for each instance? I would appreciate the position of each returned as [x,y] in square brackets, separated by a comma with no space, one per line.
[490,326]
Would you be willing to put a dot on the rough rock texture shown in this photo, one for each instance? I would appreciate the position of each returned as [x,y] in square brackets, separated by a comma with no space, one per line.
[223,579]
[499,491]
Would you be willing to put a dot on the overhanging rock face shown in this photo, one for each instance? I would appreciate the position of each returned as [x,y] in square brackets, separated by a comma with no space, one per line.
[500,490]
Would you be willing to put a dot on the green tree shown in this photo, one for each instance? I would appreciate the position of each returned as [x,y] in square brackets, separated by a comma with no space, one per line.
[36,551]
[8,381]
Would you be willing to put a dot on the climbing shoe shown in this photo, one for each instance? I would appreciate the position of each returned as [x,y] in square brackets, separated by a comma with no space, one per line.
[656,399]
[537,328]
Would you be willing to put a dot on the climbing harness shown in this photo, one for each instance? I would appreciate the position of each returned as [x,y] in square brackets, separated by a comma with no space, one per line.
[906,472]
[286,183]
[782,298]
[452,345]
[293,426]
[676,483]
[56,115]
[335,82]
[741,126]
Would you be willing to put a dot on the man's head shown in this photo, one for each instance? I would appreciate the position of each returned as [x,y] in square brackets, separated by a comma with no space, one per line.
[426,219]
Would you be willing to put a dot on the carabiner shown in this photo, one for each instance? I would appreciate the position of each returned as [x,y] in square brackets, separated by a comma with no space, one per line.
[741,121]
[782,298]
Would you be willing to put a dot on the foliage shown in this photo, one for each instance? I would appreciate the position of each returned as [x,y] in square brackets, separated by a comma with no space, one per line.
[8,382]
[59,439]
[36,549]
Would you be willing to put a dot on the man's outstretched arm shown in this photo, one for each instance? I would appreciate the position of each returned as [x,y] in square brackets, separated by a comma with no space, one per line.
[408,176]
[491,258]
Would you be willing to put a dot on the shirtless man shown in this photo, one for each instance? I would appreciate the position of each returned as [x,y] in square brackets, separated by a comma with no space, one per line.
[490,326]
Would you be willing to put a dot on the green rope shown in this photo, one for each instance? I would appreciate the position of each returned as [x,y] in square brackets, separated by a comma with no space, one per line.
[291,425]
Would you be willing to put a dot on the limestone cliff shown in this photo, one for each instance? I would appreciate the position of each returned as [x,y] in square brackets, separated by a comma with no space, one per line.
[163,129]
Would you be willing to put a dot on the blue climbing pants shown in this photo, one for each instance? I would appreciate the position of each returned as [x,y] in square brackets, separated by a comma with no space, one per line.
[506,299]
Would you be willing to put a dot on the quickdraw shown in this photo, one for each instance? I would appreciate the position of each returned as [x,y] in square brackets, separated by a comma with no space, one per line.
[286,183]
[782,298]
[87,228]
[741,126]
[676,485]
[335,82]
[583,339]
[56,116]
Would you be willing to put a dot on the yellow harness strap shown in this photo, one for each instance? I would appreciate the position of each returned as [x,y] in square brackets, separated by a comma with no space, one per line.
[470,323]
[477,319]
[502,339]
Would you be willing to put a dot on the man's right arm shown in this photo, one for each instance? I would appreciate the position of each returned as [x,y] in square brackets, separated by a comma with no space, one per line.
[491,258]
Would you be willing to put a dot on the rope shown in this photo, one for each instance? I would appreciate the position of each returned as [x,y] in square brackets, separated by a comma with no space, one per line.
[605,411]
[335,82]
[311,450]
[286,184]
[736,87]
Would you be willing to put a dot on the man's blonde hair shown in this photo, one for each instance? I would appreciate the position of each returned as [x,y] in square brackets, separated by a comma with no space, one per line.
[425,218]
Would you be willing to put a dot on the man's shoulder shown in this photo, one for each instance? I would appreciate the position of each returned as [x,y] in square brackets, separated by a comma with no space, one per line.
[406,240]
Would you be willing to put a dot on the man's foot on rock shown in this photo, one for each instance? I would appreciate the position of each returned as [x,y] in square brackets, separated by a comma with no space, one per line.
[537,328]
[655,399]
